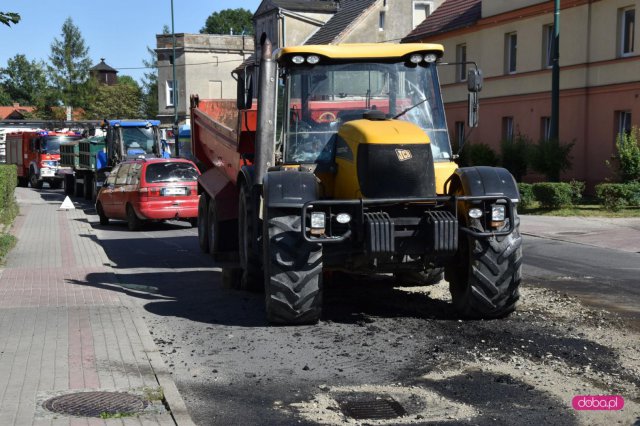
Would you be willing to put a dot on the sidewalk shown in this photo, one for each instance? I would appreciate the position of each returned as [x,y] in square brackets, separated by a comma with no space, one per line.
[612,233]
[61,334]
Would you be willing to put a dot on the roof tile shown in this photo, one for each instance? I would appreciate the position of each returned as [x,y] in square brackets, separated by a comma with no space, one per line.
[451,15]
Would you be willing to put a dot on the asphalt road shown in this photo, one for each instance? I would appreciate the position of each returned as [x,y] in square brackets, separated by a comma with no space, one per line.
[374,339]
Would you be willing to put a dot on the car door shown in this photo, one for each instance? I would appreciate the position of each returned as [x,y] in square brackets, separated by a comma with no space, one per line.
[119,194]
[106,192]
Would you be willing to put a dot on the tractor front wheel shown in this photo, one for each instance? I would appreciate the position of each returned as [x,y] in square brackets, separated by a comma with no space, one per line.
[293,272]
[485,283]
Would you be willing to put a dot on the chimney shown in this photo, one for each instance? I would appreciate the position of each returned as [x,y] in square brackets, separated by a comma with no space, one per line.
[16,105]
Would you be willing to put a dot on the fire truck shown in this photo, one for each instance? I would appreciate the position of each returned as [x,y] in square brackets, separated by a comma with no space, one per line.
[37,156]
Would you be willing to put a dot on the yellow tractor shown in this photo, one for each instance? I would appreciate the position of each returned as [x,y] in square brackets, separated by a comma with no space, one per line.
[347,165]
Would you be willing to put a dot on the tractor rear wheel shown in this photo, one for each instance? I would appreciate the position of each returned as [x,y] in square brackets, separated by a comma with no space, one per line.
[485,284]
[252,276]
[293,272]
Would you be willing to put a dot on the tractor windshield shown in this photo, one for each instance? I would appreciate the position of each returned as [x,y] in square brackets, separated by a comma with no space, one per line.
[317,100]
[138,140]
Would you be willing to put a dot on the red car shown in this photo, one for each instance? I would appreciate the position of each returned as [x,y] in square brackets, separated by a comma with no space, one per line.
[150,189]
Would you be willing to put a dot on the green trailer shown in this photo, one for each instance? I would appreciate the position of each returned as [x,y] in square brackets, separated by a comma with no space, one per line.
[82,156]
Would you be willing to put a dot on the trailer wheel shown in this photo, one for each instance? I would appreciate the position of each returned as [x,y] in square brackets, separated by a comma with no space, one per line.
[69,182]
[104,220]
[134,223]
[203,224]
[251,279]
[293,272]
[485,285]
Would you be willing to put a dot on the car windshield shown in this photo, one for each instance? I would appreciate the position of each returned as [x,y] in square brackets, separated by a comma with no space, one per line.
[171,172]
[51,144]
[317,100]
[138,140]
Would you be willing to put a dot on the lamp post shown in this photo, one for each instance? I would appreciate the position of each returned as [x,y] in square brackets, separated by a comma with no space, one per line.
[175,88]
[555,75]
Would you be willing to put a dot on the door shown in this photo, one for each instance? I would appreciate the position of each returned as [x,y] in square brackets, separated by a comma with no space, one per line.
[119,194]
[106,193]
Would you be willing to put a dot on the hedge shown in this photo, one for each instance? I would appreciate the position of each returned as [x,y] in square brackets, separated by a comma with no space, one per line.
[553,194]
[8,180]
[615,196]
[526,195]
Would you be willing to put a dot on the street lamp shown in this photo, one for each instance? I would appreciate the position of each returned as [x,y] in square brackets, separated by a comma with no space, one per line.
[175,88]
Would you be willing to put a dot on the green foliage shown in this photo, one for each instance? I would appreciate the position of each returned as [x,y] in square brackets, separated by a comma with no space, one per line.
[628,147]
[117,101]
[479,154]
[70,64]
[515,155]
[616,196]
[8,181]
[577,189]
[9,18]
[553,194]
[551,158]
[5,99]
[526,195]
[24,81]
[223,22]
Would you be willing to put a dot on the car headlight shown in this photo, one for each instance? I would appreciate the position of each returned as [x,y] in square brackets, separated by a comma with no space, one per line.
[497,213]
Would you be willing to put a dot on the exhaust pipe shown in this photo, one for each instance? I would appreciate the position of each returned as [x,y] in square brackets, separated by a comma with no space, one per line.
[265,133]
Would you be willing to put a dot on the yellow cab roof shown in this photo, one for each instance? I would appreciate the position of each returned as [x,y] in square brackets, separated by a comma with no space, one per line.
[361,50]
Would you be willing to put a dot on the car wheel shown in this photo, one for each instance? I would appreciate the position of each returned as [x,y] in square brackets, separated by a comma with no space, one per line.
[134,223]
[104,220]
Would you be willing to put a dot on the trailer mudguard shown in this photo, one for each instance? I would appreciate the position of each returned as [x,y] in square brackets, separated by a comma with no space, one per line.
[218,186]
[289,188]
[483,180]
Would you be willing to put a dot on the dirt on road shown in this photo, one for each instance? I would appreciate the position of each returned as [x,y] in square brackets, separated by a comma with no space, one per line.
[386,355]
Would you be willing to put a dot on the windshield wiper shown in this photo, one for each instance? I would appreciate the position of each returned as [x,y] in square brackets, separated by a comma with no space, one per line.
[410,108]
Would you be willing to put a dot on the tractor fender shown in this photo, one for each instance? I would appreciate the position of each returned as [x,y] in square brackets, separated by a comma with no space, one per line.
[484,180]
[289,189]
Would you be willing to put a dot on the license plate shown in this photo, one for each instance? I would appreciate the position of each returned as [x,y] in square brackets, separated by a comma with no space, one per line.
[175,191]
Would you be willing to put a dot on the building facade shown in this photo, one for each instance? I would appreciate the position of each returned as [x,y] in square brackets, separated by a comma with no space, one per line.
[203,66]
[511,41]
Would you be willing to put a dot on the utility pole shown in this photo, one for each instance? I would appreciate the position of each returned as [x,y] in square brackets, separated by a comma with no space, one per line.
[175,88]
[555,75]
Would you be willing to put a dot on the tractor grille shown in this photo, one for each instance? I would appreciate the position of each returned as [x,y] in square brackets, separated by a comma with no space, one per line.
[396,171]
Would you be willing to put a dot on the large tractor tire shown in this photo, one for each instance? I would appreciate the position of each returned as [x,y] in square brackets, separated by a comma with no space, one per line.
[252,275]
[485,284]
[293,272]
[203,223]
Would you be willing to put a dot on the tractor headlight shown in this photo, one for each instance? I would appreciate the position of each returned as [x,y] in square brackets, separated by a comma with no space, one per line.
[475,213]
[430,57]
[317,222]
[297,59]
[415,58]
[497,213]
[313,59]
[343,218]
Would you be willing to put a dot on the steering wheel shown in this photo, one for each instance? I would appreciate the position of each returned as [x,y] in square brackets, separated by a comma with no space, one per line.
[327,117]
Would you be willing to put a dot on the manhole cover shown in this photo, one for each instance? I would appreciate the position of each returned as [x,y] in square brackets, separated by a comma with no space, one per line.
[371,407]
[95,404]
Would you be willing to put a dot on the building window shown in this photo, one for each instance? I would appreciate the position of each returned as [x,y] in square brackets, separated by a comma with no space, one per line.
[461,58]
[623,122]
[627,30]
[507,129]
[545,128]
[547,46]
[510,52]
[381,21]
[459,134]
[421,10]
[169,93]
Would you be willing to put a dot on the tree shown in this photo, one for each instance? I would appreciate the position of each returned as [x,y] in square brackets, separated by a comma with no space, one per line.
[122,100]
[551,158]
[9,18]
[5,99]
[228,20]
[628,148]
[24,81]
[70,64]
[515,155]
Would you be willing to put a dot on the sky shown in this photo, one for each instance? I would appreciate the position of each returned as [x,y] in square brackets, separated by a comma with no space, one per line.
[119,31]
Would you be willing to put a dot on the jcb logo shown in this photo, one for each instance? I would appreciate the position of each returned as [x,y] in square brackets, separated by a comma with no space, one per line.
[403,154]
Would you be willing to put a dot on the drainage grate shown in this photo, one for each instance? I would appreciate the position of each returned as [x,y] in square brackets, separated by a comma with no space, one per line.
[369,406]
[95,404]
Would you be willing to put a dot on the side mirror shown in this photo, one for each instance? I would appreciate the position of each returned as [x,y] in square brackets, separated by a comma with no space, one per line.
[474,80]
[473,105]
